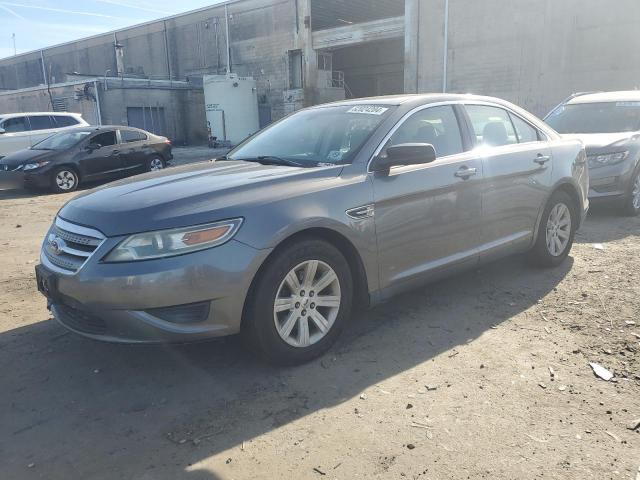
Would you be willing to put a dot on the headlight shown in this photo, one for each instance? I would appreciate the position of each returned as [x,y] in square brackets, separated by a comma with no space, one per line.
[607,158]
[33,166]
[169,243]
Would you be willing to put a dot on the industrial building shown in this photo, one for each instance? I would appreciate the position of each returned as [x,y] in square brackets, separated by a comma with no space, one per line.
[305,52]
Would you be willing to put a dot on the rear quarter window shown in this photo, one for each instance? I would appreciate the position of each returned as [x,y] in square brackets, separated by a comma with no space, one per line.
[129,136]
[65,121]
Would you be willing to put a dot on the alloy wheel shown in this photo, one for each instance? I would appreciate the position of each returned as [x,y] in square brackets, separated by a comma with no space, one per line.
[155,165]
[65,180]
[635,193]
[558,229]
[307,303]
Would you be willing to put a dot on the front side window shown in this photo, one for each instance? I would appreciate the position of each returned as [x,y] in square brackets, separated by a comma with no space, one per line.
[41,122]
[104,139]
[491,125]
[437,126]
[526,133]
[603,117]
[327,135]
[16,125]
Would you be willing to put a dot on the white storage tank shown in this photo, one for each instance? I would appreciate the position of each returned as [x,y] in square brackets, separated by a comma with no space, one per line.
[231,104]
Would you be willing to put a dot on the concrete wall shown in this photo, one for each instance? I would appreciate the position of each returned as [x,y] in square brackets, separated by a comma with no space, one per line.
[183,107]
[532,52]
[37,100]
[261,32]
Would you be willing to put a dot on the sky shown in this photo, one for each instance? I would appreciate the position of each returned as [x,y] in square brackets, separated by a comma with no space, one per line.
[41,23]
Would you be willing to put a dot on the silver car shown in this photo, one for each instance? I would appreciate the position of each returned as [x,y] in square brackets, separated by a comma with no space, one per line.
[336,205]
[608,123]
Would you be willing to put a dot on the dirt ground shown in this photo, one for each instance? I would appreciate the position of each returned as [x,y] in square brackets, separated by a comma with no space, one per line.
[450,382]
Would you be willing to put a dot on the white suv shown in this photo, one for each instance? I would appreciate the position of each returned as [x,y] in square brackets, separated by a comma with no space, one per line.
[22,130]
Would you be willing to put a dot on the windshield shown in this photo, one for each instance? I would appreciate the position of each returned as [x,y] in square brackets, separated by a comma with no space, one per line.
[329,135]
[60,141]
[609,117]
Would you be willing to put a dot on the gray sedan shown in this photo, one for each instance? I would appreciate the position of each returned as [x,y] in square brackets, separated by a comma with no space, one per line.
[336,205]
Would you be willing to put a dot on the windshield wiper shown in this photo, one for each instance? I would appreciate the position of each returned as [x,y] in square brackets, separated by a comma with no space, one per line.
[272,160]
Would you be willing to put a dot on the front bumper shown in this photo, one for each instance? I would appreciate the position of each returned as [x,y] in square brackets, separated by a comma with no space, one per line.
[118,302]
[611,181]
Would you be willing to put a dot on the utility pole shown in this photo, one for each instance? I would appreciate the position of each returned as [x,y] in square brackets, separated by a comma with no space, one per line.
[13,37]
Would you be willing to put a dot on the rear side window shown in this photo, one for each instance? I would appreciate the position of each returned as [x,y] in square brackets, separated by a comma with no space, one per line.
[491,126]
[526,133]
[65,121]
[104,139]
[435,125]
[129,136]
[41,122]
[16,125]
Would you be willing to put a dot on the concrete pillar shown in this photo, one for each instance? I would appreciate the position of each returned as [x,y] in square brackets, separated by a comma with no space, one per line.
[411,45]
[304,41]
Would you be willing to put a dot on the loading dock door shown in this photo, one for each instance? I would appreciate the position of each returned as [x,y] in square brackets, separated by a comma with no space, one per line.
[150,119]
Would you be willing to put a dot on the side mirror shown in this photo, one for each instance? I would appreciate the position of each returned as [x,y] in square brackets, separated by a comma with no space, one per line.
[92,147]
[404,154]
[2,130]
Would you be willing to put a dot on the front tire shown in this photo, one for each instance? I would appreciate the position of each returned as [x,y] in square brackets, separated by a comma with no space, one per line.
[299,303]
[556,231]
[632,200]
[64,179]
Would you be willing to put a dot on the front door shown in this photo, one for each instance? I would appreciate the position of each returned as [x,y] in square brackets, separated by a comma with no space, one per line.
[428,217]
[102,157]
[516,162]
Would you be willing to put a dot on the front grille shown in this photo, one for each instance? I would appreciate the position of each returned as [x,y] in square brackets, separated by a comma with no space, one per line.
[81,321]
[68,246]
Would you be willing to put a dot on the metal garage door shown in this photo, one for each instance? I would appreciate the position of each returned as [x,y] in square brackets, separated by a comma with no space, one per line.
[150,119]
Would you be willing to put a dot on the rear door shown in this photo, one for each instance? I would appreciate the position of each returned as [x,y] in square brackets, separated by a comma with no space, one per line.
[516,161]
[134,149]
[42,126]
[102,157]
[16,136]
[428,217]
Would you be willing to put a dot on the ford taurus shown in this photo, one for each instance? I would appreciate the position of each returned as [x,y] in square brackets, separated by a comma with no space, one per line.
[336,205]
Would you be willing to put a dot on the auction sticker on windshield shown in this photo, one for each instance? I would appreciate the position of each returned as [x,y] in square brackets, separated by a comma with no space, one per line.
[368,109]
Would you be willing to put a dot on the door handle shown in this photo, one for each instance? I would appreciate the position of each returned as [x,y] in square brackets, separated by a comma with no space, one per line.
[542,159]
[465,172]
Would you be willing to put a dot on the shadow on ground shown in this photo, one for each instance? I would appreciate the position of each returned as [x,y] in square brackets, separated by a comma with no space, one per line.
[80,409]
[606,224]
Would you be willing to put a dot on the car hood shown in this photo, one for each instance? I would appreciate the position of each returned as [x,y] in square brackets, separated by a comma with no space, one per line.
[597,142]
[26,156]
[190,195]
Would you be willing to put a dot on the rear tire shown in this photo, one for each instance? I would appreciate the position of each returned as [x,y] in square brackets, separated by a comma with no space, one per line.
[155,164]
[556,231]
[632,199]
[299,304]
[64,180]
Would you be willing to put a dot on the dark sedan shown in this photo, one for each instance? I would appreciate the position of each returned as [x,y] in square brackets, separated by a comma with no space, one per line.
[66,159]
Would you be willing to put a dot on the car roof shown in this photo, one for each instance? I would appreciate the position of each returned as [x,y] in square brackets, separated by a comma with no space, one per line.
[22,114]
[602,97]
[105,128]
[417,98]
